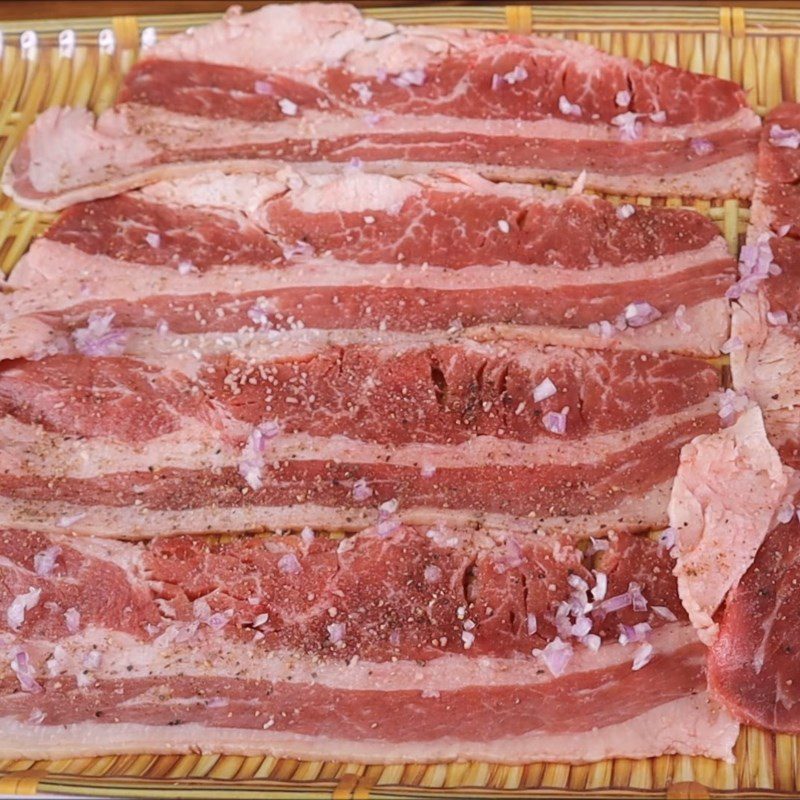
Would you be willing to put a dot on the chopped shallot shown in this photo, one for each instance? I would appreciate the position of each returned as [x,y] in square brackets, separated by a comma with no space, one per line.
[642,656]
[597,546]
[386,527]
[519,73]
[336,632]
[616,603]
[410,77]
[556,656]
[251,461]
[15,614]
[625,210]
[298,249]
[432,574]
[638,600]
[307,535]
[544,390]
[784,137]
[701,147]
[623,98]
[731,345]
[777,318]
[363,91]
[388,508]
[556,421]
[22,668]
[640,313]
[629,126]
[785,513]
[288,564]
[591,641]
[634,633]
[664,613]
[72,618]
[667,538]
[604,329]
[98,338]
[680,319]
[755,265]
[600,587]
[44,563]
[361,490]
[731,404]
[567,108]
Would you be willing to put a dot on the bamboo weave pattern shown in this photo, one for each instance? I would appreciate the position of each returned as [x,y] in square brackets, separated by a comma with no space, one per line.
[80,63]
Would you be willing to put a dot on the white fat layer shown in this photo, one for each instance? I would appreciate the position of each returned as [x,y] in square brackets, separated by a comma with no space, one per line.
[78,277]
[634,513]
[161,124]
[211,655]
[366,191]
[731,177]
[32,450]
[691,726]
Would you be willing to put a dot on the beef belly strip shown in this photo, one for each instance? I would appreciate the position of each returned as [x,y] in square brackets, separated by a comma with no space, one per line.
[318,83]
[766,318]
[221,252]
[408,646]
[225,433]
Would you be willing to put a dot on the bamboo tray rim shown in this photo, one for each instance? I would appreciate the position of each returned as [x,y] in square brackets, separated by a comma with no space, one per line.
[766,758]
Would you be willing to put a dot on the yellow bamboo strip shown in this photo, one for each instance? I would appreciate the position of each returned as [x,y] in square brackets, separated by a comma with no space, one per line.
[757,47]
[645,53]
[749,68]
[787,58]
[760,56]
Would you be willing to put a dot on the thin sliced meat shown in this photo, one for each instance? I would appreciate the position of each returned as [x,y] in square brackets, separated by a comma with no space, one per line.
[729,490]
[225,252]
[399,100]
[766,317]
[430,646]
[753,665]
[221,433]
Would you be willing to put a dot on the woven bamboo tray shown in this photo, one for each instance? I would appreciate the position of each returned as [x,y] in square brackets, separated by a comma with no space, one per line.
[43,64]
